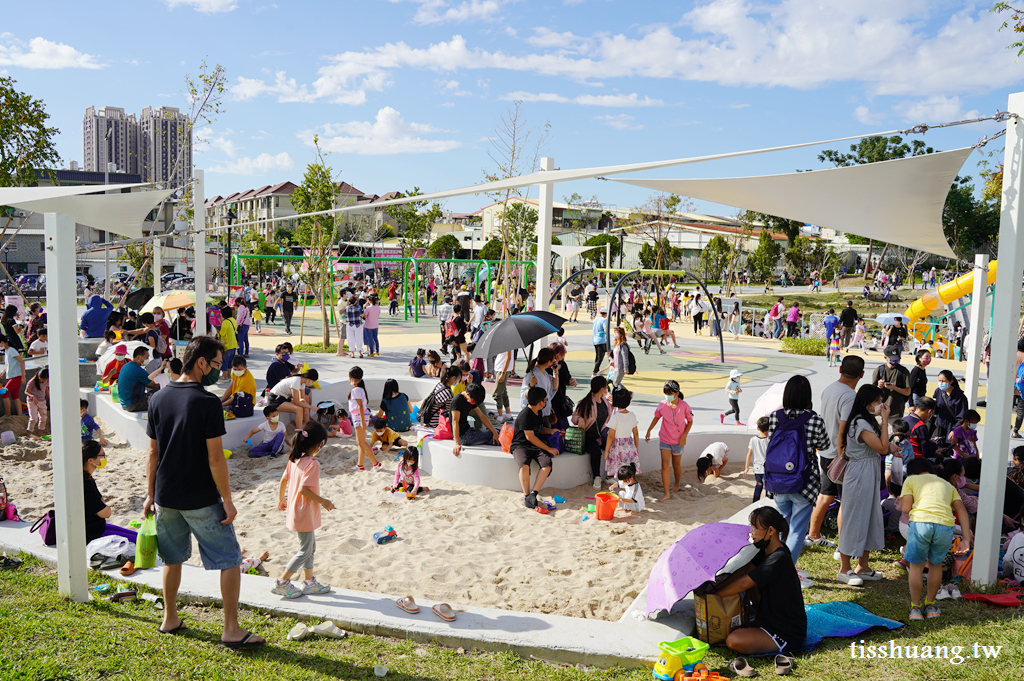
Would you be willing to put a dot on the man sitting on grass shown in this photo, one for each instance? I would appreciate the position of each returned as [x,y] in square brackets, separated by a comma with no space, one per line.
[527,445]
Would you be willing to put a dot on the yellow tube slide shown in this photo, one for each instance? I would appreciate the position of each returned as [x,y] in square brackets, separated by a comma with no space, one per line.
[932,301]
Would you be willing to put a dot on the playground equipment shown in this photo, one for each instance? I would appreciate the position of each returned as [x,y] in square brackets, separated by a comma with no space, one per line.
[932,301]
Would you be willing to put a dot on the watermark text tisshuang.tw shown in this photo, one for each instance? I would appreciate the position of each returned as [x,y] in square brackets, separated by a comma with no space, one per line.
[953,654]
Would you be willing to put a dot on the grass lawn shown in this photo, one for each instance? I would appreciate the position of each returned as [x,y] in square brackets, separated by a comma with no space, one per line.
[45,637]
[821,302]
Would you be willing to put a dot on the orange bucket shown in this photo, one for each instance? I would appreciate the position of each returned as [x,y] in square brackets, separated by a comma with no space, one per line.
[606,504]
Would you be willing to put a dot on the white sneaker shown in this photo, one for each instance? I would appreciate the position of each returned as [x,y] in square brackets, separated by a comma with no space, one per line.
[803,574]
[820,541]
[597,483]
[942,594]
[851,578]
[288,590]
[315,587]
[806,583]
[835,556]
[953,591]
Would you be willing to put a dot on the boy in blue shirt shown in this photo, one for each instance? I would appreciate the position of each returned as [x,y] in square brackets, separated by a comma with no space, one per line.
[133,381]
[830,322]
[89,425]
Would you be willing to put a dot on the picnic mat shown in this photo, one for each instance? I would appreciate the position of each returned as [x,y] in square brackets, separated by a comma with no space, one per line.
[838,619]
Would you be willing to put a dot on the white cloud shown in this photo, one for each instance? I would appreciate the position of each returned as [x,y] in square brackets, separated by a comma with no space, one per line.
[624,101]
[288,90]
[443,12]
[866,116]
[620,122]
[204,6]
[451,87]
[447,104]
[738,105]
[218,141]
[261,165]
[40,53]
[389,133]
[545,37]
[934,110]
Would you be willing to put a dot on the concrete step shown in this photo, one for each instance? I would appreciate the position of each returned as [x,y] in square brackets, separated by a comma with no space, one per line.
[87,347]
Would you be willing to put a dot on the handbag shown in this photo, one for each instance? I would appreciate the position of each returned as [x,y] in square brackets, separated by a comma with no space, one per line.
[574,439]
[505,437]
[444,428]
[243,405]
[837,469]
[145,544]
[47,528]
[556,440]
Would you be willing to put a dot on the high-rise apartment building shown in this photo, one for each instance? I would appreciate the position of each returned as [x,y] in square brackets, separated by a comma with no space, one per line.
[120,146]
[150,145]
[164,135]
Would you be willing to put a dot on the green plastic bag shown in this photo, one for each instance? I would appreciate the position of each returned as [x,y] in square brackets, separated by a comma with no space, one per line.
[145,545]
[574,440]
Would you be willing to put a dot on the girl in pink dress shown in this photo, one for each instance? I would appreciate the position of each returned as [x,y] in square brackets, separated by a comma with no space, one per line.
[620,445]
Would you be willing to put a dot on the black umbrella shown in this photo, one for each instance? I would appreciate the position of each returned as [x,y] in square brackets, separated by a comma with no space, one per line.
[516,332]
[139,297]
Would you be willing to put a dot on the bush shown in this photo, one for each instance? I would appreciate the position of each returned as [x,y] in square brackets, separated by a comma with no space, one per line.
[805,346]
[315,347]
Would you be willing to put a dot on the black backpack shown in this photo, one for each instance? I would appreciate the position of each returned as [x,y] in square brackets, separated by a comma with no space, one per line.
[630,361]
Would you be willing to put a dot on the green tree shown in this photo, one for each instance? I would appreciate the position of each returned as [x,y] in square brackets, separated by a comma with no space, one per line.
[26,143]
[318,233]
[1017,17]
[661,255]
[519,222]
[284,236]
[492,249]
[414,220]
[969,224]
[596,256]
[578,214]
[139,258]
[254,244]
[714,258]
[763,260]
[445,247]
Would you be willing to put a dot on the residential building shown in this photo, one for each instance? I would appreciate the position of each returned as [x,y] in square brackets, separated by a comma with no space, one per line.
[110,136]
[165,146]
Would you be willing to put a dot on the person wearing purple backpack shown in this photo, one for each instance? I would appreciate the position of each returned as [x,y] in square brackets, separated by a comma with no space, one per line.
[792,475]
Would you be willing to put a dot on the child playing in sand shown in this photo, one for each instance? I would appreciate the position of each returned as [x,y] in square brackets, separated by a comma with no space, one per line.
[620,445]
[275,435]
[629,490]
[712,460]
[301,480]
[733,389]
[385,436]
[35,393]
[834,345]
[757,450]
[407,475]
[357,407]
[89,425]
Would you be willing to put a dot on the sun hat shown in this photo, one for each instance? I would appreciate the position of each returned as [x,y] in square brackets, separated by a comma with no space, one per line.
[121,349]
[735,373]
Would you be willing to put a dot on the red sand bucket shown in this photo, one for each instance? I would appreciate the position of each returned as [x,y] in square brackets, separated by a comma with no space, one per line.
[606,504]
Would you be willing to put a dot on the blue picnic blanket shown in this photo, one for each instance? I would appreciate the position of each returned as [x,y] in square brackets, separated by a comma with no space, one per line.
[838,619]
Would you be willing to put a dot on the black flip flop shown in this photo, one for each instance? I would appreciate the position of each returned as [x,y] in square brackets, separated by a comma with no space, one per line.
[115,563]
[10,563]
[97,560]
[244,643]
[181,627]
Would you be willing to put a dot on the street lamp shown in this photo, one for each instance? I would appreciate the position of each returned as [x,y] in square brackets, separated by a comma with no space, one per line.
[230,217]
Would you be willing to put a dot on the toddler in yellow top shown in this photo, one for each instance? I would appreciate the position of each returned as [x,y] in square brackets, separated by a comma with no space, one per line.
[384,435]
[930,502]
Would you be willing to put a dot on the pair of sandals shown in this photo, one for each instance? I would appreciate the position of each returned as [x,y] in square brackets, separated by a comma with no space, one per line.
[100,562]
[783,666]
[442,610]
[328,629]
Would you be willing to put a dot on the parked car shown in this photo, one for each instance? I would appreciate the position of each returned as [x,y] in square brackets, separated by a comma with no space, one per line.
[171,277]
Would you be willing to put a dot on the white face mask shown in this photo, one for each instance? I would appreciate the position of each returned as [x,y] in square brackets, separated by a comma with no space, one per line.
[274,419]
[157,317]
[877,409]
[119,358]
[238,372]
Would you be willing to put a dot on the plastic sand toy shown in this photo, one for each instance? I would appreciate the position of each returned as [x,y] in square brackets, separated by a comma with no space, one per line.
[684,655]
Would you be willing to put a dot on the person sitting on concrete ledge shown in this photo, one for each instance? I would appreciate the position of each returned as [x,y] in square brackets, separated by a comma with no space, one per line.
[133,381]
[527,445]
[464,404]
[242,381]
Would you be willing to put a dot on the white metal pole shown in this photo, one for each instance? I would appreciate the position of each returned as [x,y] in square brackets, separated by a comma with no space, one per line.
[546,199]
[106,270]
[979,310]
[199,266]
[157,265]
[68,497]
[1004,348]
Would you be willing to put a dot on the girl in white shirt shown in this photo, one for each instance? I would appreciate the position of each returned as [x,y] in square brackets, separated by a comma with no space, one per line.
[620,445]
[359,412]
[632,497]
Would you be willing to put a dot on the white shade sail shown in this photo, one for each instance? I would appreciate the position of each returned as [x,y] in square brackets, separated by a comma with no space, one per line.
[899,202]
[567,252]
[118,213]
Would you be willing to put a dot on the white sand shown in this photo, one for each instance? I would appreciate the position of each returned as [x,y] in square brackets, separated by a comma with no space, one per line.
[458,543]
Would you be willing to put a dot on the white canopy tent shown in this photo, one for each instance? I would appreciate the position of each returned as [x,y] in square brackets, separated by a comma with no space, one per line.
[63,207]
[898,202]
[566,253]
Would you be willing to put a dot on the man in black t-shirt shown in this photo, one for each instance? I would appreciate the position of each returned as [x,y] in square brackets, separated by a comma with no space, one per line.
[188,486]
[466,403]
[527,445]
[848,320]
[287,300]
[576,298]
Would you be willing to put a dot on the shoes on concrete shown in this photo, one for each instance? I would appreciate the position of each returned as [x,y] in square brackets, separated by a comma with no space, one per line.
[287,590]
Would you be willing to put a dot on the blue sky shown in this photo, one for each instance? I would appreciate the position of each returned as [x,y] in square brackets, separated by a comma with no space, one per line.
[408,92]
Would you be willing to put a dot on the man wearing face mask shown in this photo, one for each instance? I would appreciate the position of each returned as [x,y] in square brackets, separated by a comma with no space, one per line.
[894,381]
[279,367]
[189,489]
[133,381]
[287,302]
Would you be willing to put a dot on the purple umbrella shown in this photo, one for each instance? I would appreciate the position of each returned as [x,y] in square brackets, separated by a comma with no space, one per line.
[691,561]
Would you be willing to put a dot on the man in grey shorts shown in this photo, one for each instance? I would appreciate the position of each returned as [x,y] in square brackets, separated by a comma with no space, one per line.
[187,485]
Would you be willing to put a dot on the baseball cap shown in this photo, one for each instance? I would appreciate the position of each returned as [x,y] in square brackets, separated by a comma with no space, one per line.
[892,352]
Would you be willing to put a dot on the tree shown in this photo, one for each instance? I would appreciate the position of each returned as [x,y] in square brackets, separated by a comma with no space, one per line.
[284,236]
[662,255]
[139,257]
[791,228]
[764,259]
[1017,17]
[715,257]
[26,143]
[318,233]
[492,250]
[579,208]
[445,247]
[596,256]
[970,225]
[414,221]
[519,223]
[255,244]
